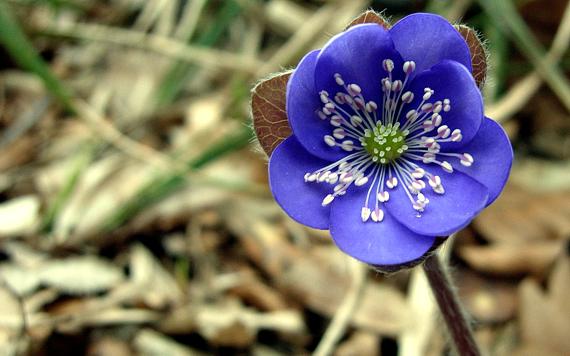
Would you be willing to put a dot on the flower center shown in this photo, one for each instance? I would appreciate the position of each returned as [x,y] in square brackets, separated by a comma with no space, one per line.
[384,143]
[389,144]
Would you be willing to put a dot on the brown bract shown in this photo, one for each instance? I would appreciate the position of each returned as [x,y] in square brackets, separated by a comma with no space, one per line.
[268,111]
[370,16]
[478,54]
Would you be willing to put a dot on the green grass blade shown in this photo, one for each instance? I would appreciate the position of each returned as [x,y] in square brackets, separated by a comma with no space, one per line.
[24,54]
[163,186]
[181,72]
[84,158]
[505,16]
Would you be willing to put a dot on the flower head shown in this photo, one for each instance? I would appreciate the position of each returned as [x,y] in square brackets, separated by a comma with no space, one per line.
[390,147]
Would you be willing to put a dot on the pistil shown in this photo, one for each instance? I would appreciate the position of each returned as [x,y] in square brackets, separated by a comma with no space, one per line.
[386,145]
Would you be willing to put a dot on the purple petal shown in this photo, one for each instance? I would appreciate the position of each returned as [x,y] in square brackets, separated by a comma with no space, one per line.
[493,156]
[357,55]
[446,213]
[382,244]
[300,200]
[450,80]
[302,103]
[428,39]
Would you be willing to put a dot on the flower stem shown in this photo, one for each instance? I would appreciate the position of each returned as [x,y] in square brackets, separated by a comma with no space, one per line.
[457,324]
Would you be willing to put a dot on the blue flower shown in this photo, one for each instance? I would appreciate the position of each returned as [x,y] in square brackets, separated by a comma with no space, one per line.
[390,147]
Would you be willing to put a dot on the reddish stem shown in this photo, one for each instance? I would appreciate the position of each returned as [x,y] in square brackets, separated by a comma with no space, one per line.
[448,302]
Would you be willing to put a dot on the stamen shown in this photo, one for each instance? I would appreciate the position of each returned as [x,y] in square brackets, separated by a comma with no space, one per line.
[377,215]
[388,65]
[338,79]
[339,133]
[386,143]
[447,167]
[466,160]
[329,140]
[361,181]
[327,200]
[383,196]
[409,67]
[365,214]
[392,183]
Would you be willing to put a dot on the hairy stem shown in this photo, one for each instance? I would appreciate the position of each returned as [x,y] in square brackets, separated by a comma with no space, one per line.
[446,298]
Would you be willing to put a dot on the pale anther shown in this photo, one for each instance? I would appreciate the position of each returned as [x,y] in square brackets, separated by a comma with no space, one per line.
[407,97]
[447,167]
[365,214]
[377,215]
[327,200]
[383,196]
[388,65]
[409,67]
[361,181]
[354,89]
[392,182]
[338,79]
[339,133]
[436,119]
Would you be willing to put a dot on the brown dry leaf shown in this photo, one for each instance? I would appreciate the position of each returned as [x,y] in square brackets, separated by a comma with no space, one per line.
[229,323]
[370,16]
[360,343]
[19,216]
[554,174]
[308,275]
[533,257]
[488,300]
[269,113]
[152,282]
[478,54]
[21,280]
[114,316]
[543,323]
[80,275]
[520,215]
[255,292]
[531,350]
[11,323]
[559,283]
[109,346]
[148,342]
[18,153]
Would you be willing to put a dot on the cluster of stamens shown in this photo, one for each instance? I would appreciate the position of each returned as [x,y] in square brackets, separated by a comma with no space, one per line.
[382,147]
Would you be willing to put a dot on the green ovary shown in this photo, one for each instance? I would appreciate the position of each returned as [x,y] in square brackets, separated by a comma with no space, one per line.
[385,143]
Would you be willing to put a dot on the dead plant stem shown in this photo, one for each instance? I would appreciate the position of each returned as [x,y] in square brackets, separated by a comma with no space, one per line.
[343,315]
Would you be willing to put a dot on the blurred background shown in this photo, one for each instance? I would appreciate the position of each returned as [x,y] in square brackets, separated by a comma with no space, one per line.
[135,216]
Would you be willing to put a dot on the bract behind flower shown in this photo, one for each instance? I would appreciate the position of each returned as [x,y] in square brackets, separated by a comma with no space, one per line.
[382,121]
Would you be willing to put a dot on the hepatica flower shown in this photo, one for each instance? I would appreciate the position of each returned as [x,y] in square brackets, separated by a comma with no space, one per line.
[390,148]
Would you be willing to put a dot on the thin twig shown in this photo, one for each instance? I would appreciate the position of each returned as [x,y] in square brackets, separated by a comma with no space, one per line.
[306,34]
[343,315]
[189,20]
[109,133]
[457,324]
[206,57]
[521,92]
